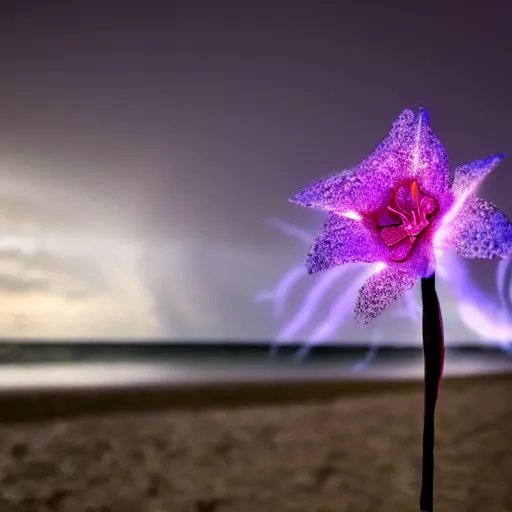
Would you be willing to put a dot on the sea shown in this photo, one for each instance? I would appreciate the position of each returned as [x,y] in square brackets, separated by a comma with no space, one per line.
[42,364]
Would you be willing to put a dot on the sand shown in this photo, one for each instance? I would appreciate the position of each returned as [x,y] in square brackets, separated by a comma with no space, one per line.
[355,453]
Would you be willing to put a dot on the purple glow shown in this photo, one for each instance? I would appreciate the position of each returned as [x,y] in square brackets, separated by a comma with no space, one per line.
[291,230]
[492,323]
[317,294]
[504,286]
[370,354]
[311,303]
[481,314]
[280,293]
[395,206]
[337,315]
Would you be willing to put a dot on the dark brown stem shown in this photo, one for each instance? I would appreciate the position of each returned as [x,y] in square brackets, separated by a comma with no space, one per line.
[433,355]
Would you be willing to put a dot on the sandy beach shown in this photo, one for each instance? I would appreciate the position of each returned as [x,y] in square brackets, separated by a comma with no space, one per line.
[354,453]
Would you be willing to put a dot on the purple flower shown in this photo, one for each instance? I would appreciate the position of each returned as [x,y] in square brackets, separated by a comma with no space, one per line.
[398,206]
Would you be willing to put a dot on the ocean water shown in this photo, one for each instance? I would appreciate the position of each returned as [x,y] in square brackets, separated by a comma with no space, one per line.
[31,364]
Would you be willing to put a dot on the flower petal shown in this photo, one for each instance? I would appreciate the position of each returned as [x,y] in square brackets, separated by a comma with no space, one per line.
[411,151]
[480,230]
[344,240]
[467,177]
[380,291]
[428,161]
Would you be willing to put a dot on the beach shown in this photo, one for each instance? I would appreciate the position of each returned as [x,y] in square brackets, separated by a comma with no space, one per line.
[356,452]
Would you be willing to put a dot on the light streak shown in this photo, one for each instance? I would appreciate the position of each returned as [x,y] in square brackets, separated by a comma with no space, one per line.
[488,318]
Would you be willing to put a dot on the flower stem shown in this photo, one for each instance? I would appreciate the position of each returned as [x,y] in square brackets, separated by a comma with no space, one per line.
[433,356]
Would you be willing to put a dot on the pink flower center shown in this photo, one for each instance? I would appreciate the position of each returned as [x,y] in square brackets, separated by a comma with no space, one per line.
[413,211]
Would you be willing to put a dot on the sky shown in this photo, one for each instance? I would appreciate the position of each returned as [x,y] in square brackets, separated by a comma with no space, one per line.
[148,149]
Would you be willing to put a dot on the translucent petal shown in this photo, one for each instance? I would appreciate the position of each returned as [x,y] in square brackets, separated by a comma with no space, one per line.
[480,230]
[467,177]
[411,151]
[343,240]
[380,291]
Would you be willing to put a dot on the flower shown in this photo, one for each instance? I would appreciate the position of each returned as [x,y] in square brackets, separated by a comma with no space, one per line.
[397,206]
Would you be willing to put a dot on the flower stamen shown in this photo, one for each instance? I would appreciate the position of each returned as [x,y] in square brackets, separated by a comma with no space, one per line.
[414,211]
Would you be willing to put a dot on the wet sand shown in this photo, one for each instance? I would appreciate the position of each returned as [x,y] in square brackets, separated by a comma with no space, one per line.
[350,453]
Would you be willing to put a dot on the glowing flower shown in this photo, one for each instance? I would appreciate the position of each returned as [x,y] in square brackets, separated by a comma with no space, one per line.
[397,206]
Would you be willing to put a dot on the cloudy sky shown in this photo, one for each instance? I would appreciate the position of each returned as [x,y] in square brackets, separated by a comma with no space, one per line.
[144,146]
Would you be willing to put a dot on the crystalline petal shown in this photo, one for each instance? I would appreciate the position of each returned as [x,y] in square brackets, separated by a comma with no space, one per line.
[411,151]
[343,240]
[480,230]
[380,291]
[467,177]
[427,161]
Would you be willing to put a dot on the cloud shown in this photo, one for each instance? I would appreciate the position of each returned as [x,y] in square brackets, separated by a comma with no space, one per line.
[204,289]
[13,284]
[61,277]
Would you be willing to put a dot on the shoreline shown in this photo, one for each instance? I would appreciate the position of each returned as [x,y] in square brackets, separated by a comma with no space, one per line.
[34,405]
